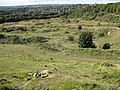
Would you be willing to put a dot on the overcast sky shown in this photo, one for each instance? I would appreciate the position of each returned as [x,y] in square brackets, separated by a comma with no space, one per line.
[32,2]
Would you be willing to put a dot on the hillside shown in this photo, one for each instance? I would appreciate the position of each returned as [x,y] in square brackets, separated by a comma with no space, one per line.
[29,48]
[19,13]
[40,49]
[100,12]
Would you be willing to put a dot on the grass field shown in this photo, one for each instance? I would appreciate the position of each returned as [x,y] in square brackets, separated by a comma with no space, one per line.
[60,64]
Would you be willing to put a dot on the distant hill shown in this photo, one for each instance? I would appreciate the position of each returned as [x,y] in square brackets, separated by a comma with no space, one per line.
[32,6]
[102,12]
[18,13]
[99,12]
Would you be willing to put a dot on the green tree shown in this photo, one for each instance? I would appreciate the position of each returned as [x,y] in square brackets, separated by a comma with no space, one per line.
[86,40]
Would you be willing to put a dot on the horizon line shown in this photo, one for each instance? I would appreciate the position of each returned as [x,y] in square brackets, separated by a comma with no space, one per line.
[55,4]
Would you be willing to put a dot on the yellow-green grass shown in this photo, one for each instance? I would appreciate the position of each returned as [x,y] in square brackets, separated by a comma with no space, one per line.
[69,71]
[72,68]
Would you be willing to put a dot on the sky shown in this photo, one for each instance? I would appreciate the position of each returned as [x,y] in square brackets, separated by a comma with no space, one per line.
[33,2]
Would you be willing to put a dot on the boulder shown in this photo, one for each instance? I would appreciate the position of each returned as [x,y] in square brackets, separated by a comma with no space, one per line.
[45,73]
[36,75]
[42,74]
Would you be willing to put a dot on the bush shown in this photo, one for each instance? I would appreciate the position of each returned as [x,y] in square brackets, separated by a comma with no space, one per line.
[70,38]
[16,40]
[5,87]
[21,28]
[106,46]
[2,36]
[13,28]
[99,24]
[104,64]
[77,21]
[79,27]
[39,39]
[7,29]
[101,34]
[68,21]
[86,40]
[52,47]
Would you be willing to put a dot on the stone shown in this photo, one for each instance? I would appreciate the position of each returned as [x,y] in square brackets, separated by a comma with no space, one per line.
[28,79]
[37,74]
[45,73]
[44,76]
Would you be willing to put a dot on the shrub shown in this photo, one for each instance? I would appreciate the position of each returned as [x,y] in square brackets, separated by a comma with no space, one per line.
[68,21]
[21,28]
[104,64]
[7,87]
[52,47]
[86,40]
[106,46]
[70,38]
[91,86]
[79,27]
[2,36]
[99,24]
[66,32]
[39,39]
[16,40]
[101,34]
[13,28]
[77,21]
[7,29]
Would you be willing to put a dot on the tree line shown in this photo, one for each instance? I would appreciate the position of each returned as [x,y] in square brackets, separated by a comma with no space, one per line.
[15,17]
[108,12]
[14,14]
[97,11]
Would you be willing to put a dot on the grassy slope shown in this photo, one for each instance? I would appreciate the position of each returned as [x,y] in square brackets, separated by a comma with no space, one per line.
[17,61]
[69,70]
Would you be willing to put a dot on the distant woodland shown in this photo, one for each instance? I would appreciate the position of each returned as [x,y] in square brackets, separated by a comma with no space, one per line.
[102,12]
